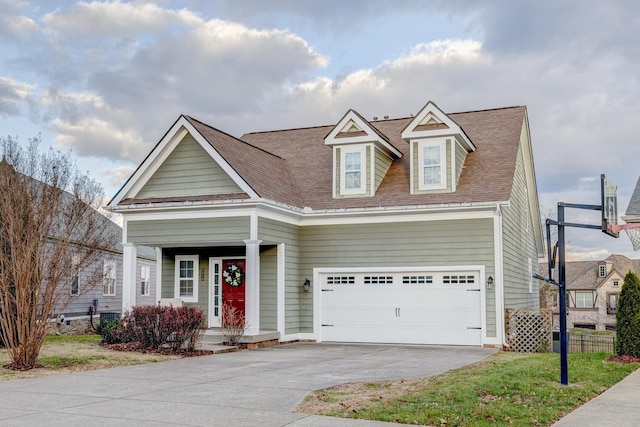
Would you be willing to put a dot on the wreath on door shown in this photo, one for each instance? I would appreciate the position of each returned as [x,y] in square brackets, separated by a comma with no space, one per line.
[233,275]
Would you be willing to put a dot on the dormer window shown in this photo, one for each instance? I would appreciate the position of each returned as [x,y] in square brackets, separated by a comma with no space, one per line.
[602,270]
[433,170]
[353,172]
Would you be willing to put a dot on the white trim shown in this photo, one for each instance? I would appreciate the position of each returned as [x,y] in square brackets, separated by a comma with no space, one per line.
[281,288]
[158,274]
[498,274]
[214,321]
[412,173]
[334,189]
[253,225]
[252,286]
[453,129]
[362,150]
[161,152]
[422,144]
[196,272]
[110,267]
[146,268]
[454,177]
[317,291]
[371,135]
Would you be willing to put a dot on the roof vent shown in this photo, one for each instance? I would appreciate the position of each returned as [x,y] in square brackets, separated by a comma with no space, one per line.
[375,117]
[386,117]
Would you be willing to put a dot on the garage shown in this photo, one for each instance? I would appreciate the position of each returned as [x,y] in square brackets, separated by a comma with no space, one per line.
[412,307]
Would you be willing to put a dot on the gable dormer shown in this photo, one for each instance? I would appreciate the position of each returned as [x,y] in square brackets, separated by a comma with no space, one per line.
[362,156]
[439,148]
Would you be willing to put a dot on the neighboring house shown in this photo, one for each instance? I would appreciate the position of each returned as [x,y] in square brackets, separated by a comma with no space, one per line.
[414,230]
[593,289]
[107,298]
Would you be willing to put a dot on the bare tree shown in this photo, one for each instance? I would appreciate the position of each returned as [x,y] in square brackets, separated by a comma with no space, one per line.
[49,228]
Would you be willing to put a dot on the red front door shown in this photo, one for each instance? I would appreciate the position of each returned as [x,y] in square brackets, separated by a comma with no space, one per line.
[233,283]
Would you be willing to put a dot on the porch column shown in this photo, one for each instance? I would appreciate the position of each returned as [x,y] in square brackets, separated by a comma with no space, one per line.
[252,283]
[129,256]
[158,274]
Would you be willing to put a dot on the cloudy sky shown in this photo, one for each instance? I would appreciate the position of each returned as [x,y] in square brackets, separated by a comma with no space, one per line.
[107,79]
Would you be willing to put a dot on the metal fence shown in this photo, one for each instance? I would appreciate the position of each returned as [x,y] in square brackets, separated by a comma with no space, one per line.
[591,344]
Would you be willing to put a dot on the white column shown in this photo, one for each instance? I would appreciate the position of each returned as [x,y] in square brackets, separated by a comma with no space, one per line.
[281,289]
[252,283]
[129,256]
[158,274]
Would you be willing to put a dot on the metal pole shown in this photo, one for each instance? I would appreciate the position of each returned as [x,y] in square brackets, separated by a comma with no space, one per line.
[564,365]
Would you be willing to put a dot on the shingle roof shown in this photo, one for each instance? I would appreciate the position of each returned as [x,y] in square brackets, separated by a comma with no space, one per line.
[633,209]
[487,175]
[584,275]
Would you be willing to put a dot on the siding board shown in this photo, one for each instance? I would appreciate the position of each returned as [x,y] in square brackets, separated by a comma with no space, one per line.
[188,171]
[188,231]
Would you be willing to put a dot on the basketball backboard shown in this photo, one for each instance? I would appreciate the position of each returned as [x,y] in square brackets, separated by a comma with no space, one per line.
[609,202]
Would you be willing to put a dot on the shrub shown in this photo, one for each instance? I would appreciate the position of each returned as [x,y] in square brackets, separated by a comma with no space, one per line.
[154,326]
[233,324]
[628,317]
[112,331]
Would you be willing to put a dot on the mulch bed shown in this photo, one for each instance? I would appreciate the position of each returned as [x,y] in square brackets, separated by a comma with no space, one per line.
[624,359]
[135,346]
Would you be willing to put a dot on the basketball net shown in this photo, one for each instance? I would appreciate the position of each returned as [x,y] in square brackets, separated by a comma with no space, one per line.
[632,230]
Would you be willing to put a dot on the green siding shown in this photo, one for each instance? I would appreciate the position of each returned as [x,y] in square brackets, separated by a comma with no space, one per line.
[519,245]
[383,163]
[188,231]
[461,156]
[268,289]
[415,162]
[296,301]
[434,243]
[188,171]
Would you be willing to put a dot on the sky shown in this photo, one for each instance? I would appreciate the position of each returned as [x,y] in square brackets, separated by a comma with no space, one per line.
[106,79]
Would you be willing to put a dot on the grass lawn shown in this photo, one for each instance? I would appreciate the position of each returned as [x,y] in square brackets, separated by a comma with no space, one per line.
[505,389]
[63,354]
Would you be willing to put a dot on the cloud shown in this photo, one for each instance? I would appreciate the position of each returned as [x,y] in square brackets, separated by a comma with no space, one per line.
[115,19]
[13,96]
[118,175]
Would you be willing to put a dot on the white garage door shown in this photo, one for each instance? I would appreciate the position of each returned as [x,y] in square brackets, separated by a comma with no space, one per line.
[411,308]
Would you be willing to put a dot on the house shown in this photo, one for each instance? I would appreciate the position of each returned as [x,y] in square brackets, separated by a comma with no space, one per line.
[593,289]
[414,230]
[89,304]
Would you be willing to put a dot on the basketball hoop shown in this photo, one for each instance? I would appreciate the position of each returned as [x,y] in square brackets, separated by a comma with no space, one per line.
[632,230]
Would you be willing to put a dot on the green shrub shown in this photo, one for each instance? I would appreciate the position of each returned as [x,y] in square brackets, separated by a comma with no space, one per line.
[112,331]
[628,317]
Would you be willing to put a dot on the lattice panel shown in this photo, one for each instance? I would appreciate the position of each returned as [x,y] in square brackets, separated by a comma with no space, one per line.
[528,330]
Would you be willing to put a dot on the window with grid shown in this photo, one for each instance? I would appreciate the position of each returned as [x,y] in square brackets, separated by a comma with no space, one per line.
[341,280]
[186,279]
[584,299]
[145,280]
[378,280]
[109,278]
[411,280]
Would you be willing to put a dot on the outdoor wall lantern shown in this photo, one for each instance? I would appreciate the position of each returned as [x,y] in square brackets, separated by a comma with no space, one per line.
[306,285]
[489,282]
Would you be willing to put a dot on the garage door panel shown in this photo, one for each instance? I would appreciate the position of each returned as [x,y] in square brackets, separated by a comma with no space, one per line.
[435,308]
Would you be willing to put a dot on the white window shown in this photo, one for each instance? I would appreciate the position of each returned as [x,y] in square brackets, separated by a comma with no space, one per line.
[109,278]
[616,283]
[186,278]
[75,285]
[353,176]
[432,171]
[584,299]
[602,270]
[145,280]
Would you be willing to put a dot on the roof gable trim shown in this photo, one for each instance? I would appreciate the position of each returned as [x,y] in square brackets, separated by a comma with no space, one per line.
[161,152]
[354,129]
[431,121]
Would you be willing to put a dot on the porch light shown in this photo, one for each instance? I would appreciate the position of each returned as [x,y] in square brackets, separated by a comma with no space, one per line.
[489,282]
[306,285]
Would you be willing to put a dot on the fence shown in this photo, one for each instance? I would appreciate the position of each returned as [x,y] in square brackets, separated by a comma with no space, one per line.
[591,344]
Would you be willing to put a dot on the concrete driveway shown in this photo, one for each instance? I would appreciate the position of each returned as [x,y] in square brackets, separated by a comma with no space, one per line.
[247,388]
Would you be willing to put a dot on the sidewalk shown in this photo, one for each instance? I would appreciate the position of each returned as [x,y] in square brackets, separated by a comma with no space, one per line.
[619,406]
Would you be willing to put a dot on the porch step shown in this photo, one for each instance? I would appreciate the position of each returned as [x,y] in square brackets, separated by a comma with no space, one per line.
[216,348]
[215,337]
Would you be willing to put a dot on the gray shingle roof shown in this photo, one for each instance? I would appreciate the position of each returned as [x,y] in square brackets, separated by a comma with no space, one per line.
[633,209]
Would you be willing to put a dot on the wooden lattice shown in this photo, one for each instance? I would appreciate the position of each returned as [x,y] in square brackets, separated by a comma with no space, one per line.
[528,330]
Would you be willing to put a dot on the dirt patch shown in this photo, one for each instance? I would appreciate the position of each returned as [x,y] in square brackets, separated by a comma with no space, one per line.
[346,398]
[624,359]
